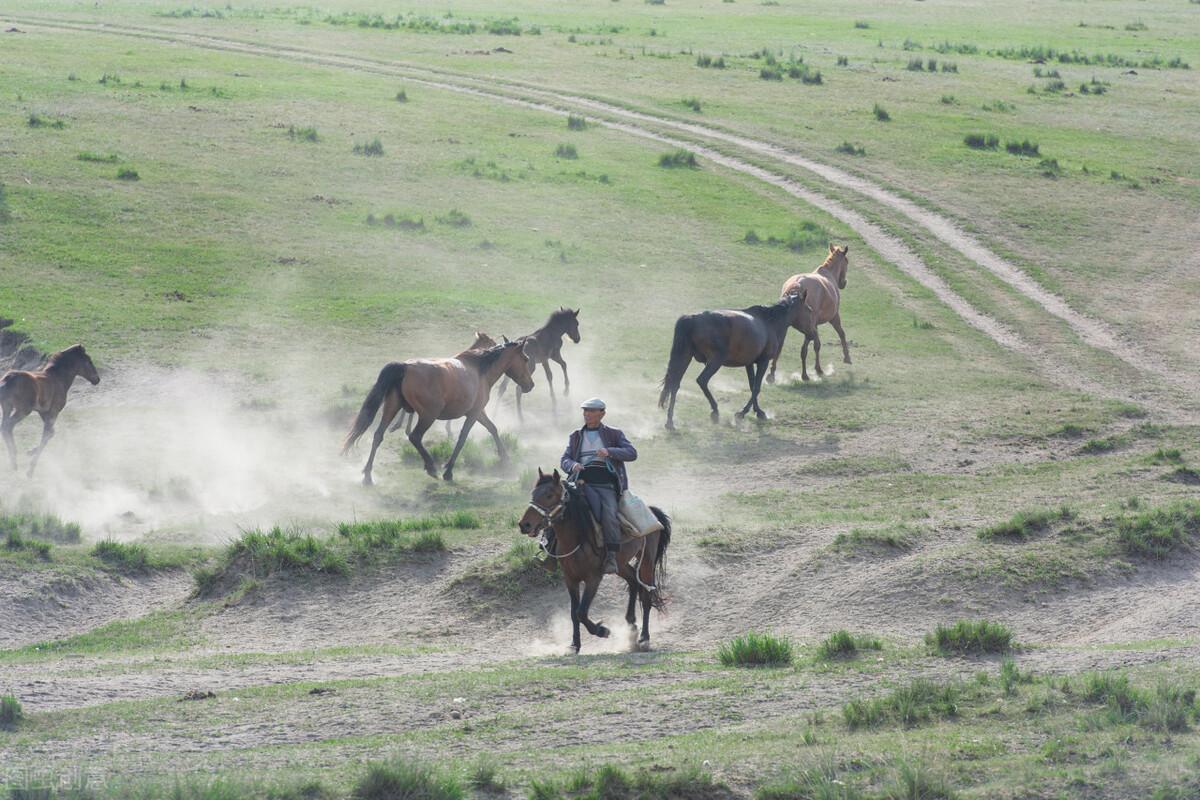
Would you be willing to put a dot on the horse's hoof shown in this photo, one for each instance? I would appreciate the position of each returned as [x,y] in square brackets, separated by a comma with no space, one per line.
[805,377]
[367,481]
[760,414]
[846,360]
[771,378]
[602,632]
[715,417]
[447,476]
[740,415]
[669,426]
[573,649]
[643,645]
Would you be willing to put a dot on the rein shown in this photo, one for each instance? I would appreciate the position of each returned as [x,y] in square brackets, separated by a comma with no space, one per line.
[549,517]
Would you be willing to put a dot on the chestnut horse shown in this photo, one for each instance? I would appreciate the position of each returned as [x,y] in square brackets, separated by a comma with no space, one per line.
[482,342]
[545,345]
[440,388]
[44,391]
[823,286]
[748,338]
[566,513]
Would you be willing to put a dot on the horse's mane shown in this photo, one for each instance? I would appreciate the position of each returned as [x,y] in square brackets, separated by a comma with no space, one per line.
[64,358]
[484,359]
[773,311]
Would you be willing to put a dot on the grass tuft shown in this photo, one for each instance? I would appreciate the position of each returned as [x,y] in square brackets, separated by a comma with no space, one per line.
[1025,524]
[45,527]
[128,174]
[566,151]
[970,636]
[881,113]
[400,780]
[86,155]
[373,148]
[10,712]
[126,557]
[1158,533]
[981,141]
[756,650]
[843,645]
[576,123]
[677,159]
[302,134]
[851,149]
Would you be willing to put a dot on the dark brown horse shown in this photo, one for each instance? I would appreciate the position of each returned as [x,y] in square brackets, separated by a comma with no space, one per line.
[44,391]
[747,338]
[567,514]
[482,342]
[823,289]
[545,345]
[440,388]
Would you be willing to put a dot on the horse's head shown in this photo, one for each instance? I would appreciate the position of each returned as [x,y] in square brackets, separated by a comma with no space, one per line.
[568,322]
[80,361]
[838,261]
[519,367]
[482,341]
[546,503]
[801,315]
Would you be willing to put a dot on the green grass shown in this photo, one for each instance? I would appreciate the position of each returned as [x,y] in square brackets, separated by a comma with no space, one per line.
[10,712]
[915,704]
[1026,524]
[615,783]
[843,644]
[127,557]
[970,637]
[1160,533]
[678,158]
[401,779]
[755,650]
[45,527]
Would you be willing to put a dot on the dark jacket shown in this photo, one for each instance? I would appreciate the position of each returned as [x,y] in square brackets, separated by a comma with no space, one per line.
[619,451]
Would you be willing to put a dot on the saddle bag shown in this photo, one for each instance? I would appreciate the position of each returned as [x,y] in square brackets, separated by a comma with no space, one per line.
[635,516]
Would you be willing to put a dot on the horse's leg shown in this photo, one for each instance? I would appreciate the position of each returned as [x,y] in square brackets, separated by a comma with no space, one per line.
[520,414]
[703,378]
[423,424]
[550,386]
[817,352]
[490,427]
[391,405]
[756,390]
[573,590]
[631,609]
[448,472]
[47,435]
[836,322]
[585,603]
[804,358]
[774,363]
[566,380]
[6,427]
[751,402]
[449,430]
[399,423]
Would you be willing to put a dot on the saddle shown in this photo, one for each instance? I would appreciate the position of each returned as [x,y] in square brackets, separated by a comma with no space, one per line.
[632,515]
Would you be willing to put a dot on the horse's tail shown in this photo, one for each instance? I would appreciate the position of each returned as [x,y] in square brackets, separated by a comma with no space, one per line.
[390,378]
[681,356]
[658,597]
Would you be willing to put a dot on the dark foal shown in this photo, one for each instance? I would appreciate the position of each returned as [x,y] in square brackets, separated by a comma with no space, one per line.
[545,345]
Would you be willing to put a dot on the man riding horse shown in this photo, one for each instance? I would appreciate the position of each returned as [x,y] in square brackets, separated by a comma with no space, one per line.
[596,454]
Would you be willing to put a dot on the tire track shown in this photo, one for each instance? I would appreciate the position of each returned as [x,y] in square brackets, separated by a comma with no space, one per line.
[1095,333]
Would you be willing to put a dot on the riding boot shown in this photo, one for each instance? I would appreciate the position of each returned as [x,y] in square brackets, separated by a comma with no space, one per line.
[610,562]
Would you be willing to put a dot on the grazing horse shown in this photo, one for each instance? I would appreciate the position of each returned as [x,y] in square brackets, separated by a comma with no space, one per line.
[440,388]
[482,342]
[552,506]
[748,338]
[545,345]
[823,286]
[44,391]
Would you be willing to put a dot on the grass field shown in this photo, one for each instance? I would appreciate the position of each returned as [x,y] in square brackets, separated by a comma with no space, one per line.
[245,209]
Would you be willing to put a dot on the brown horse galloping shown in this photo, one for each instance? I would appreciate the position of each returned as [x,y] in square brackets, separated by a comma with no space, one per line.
[545,345]
[482,342]
[440,388]
[748,338]
[822,286]
[550,505]
[44,391]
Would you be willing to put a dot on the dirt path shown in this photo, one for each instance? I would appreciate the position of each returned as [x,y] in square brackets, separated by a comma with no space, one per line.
[1095,333]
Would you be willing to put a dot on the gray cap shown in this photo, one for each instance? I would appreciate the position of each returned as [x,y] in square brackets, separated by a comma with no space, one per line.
[594,403]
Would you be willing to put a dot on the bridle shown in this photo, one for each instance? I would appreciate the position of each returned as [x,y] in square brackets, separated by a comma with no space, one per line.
[549,517]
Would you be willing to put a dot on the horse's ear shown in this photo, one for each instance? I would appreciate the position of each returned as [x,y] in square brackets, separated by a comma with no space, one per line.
[575,312]
[505,338]
[556,477]
[832,249]
[541,474]
[845,249]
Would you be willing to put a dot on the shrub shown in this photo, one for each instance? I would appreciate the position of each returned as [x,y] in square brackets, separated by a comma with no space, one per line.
[303,134]
[46,527]
[1024,148]
[756,650]
[372,148]
[842,644]
[566,151]
[10,712]
[1160,532]
[678,158]
[575,123]
[881,113]
[981,141]
[1025,524]
[128,174]
[967,636]
[455,219]
[399,779]
[37,121]
[128,557]
[851,149]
